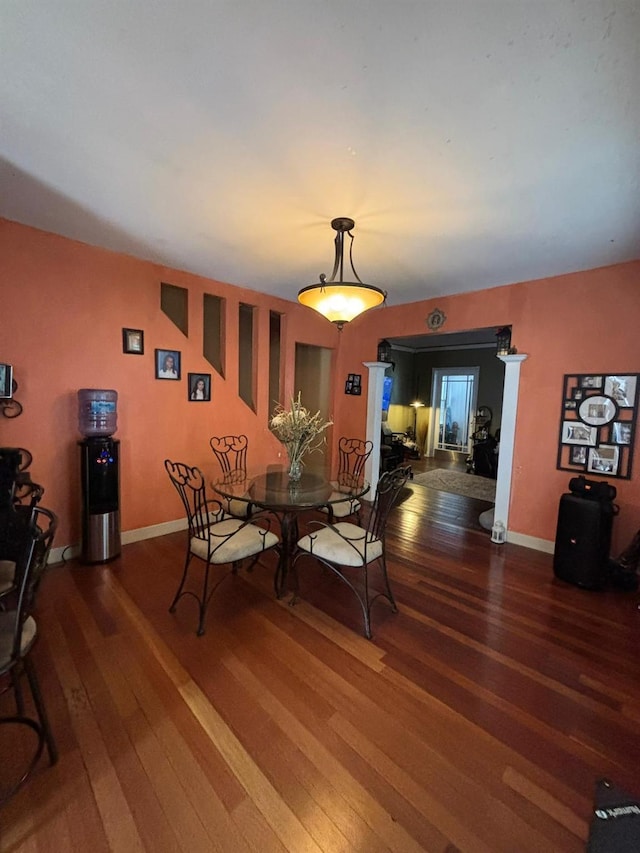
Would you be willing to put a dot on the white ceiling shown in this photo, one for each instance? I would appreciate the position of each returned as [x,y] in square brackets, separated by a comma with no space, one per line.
[474,142]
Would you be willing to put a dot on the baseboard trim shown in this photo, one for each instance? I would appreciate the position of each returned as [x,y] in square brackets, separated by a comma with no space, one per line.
[69,552]
[153,530]
[531,542]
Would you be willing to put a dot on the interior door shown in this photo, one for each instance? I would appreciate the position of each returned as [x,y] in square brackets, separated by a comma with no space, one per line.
[453,402]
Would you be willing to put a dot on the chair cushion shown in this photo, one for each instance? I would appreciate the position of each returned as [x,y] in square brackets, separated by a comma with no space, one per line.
[341,509]
[7,625]
[237,507]
[343,544]
[244,541]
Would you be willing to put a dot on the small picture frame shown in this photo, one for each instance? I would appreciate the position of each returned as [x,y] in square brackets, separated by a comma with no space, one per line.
[597,410]
[6,381]
[133,341]
[591,382]
[579,455]
[621,432]
[353,385]
[621,389]
[167,364]
[574,432]
[603,459]
[199,387]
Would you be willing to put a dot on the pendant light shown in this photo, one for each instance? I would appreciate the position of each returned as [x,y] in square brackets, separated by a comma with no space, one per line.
[338,300]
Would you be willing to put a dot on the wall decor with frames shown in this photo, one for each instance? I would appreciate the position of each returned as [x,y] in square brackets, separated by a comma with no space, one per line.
[597,423]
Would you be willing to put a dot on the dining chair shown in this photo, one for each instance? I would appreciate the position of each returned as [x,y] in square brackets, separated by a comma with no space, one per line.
[212,536]
[30,535]
[348,549]
[231,453]
[352,455]
[17,517]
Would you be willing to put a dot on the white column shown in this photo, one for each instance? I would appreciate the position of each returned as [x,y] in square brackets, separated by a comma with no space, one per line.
[507,435]
[374,422]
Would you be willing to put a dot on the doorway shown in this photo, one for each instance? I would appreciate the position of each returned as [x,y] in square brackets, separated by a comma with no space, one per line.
[312,377]
[453,400]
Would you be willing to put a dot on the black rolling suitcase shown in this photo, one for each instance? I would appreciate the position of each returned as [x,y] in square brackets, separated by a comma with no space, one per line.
[583,534]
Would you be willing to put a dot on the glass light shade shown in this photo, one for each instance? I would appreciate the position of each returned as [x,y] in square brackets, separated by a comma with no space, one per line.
[342,301]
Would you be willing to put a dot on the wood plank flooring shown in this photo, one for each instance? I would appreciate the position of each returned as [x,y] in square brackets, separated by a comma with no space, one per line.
[478,719]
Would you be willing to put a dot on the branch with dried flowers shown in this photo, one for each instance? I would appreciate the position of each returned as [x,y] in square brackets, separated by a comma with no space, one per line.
[299,430]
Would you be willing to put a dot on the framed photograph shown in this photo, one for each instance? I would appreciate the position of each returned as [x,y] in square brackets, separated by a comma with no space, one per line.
[577,433]
[199,386]
[597,410]
[570,404]
[133,341]
[591,382]
[577,394]
[353,385]
[578,455]
[6,381]
[621,432]
[621,389]
[603,459]
[167,364]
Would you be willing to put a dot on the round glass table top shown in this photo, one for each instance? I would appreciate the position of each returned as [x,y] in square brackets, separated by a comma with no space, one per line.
[274,489]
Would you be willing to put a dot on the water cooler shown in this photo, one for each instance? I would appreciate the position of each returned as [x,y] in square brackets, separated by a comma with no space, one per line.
[100,475]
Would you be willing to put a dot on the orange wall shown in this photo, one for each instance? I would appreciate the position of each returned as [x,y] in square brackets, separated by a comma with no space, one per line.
[64,305]
[587,322]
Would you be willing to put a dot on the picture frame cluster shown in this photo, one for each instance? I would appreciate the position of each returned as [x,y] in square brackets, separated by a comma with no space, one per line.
[168,366]
[597,424]
[353,385]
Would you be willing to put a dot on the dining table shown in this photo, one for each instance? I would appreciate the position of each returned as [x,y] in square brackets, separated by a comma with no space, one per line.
[272,489]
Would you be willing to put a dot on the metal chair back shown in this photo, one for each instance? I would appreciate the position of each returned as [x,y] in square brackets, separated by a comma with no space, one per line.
[390,485]
[352,455]
[190,485]
[230,451]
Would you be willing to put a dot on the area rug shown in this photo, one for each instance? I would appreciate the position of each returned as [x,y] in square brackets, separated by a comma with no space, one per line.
[469,485]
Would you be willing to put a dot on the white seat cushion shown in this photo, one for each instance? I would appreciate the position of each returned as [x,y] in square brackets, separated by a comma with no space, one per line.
[7,625]
[341,508]
[343,544]
[247,541]
[237,507]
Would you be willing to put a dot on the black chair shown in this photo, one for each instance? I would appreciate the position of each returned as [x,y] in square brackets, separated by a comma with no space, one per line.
[353,454]
[231,453]
[212,535]
[29,538]
[391,450]
[349,549]
[10,542]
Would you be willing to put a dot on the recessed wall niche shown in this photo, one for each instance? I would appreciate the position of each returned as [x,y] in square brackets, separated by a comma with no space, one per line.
[213,331]
[174,302]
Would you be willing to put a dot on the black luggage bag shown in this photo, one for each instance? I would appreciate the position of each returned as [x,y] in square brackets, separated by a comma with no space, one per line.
[583,534]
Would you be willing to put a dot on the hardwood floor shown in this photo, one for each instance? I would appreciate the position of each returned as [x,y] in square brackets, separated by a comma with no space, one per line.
[478,719]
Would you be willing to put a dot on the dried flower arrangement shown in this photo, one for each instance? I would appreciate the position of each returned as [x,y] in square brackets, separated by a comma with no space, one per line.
[299,431]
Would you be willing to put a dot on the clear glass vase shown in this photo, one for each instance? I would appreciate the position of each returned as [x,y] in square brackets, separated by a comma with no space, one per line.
[295,468]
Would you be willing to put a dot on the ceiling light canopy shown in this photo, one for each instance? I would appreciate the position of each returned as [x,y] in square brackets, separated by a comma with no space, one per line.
[338,300]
